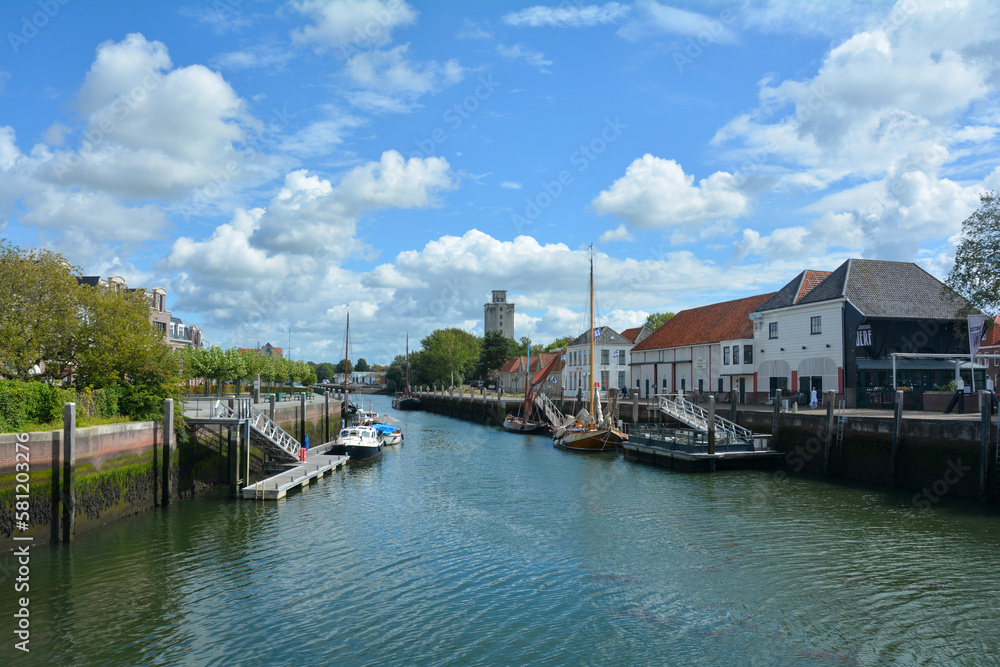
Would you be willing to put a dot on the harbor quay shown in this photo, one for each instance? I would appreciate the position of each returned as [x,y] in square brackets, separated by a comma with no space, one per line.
[931,453]
[76,479]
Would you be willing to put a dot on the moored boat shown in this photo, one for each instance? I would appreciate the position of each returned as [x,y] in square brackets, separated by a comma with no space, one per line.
[403,400]
[589,431]
[391,435]
[361,443]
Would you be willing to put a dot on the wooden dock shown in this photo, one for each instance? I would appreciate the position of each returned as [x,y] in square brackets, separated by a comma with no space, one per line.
[278,485]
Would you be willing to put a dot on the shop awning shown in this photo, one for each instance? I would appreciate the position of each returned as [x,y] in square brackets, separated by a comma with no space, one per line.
[914,365]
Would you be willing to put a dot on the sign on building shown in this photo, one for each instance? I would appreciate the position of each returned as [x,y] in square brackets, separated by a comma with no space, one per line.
[864,336]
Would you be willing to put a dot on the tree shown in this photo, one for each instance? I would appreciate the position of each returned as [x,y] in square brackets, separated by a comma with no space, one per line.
[657,320]
[976,273]
[361,366]
[116,342]
[325,371]
[38,312]
[559,344]
[395,374]
[449,353]
[344,366]
[493,354]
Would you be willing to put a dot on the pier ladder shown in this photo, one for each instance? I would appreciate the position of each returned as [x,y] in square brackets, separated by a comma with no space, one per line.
[840,424]
[272,437]
[696,417]
[549,409]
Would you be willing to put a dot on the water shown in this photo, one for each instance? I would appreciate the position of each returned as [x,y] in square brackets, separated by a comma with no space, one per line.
[470,546]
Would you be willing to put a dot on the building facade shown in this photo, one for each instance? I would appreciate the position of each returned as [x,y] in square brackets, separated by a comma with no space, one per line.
[705,349]
[611,359]
[498,315]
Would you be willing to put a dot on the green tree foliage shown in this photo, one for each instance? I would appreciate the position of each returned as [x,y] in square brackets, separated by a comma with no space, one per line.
[362,365]
[493,354]
[38,312]
[344,366]
[325,371]
[558,344]
[657,320]
[976,273]
[395,374]
[448,353]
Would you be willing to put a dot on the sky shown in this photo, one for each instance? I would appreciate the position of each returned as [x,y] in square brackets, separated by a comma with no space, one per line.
[274,165]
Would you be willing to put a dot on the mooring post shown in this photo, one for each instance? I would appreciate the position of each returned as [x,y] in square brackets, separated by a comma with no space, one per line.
[775,417]
[896,421]
[302,417]
[326,406]
[635,407]
[711,424]
[985,408]
[732,405]
[270,407]
[256,389]
[168,447]
[69,473]
[234,460]
[830,398]
[245,427]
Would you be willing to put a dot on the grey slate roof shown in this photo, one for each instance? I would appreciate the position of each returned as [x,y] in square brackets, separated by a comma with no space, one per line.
[785,296]
[880,288]
[608,337]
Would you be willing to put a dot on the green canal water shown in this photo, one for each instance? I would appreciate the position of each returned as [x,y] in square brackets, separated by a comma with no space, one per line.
[471,546]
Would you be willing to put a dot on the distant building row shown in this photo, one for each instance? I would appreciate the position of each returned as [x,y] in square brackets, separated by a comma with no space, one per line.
[823,330]
[175,333]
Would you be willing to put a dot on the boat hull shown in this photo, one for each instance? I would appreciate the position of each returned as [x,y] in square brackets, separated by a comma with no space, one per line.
[602,440]
[518,425]
[407,403]
[358,452]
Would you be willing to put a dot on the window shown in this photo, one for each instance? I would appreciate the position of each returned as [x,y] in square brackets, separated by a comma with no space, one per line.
[605,357]
[725,355]
[736,355]
[815,325]
[772,330]
[748,354]
[621,357]
[621,378]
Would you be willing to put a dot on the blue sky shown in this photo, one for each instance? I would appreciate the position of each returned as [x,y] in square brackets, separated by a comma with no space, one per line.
[272,164]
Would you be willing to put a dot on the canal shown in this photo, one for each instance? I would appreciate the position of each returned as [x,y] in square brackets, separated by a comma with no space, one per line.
[471,546]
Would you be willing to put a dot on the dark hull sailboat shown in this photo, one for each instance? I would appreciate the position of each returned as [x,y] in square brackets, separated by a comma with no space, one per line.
[403,400]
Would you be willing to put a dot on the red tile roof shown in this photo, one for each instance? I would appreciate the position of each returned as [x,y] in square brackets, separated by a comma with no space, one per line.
[993,335]
[810,280]
[729,320]
[631,334]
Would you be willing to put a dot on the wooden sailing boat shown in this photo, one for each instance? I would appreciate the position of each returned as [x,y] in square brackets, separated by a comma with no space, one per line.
[524,423]
[347,409]
[402,399]
[590,432]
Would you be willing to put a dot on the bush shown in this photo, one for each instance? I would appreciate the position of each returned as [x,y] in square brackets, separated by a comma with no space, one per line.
[36,402]
[140,404]
[13,405]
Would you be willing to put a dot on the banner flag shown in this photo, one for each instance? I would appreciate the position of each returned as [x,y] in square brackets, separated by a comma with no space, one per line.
[977,332]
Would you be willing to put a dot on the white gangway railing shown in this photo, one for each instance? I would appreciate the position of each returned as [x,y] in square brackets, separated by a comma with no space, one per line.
[549,409]
[684,411]
[282,443]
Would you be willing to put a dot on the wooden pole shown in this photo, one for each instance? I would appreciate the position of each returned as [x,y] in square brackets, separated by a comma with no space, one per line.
[775,416]
[302,418]
[69,473]
[985,408]
[711,424]
[326,405]
[896,421]
[168,447]
[830,398]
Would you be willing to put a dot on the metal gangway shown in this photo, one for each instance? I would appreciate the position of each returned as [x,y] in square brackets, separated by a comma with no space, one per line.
[549,409]
[686,412]
[273,438]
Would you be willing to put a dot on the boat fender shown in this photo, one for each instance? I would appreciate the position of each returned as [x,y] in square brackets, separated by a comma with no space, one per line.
[560,432]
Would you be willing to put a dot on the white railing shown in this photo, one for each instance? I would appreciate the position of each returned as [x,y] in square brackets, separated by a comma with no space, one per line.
[697,417]
[262,424]
[549,409]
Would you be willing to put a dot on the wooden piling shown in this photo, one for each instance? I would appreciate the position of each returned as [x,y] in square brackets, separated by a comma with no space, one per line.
[69,473]
[711,425]
[270,408]
[302,418]
[326,405]
[168,447]
[234,460]
[984,439]
[828,442]
[896,422]
[775,417]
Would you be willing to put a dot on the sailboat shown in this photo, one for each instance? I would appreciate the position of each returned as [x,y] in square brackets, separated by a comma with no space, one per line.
[403,400]
[590,431]
[359,442]
[524,423]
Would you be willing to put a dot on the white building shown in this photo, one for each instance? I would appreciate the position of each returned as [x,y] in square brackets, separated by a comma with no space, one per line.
[611,361]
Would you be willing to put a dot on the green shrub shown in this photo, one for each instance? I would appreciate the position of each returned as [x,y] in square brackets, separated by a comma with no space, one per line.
[140,404]
[13,405]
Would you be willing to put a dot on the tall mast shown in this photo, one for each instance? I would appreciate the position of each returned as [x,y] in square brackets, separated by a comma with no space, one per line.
[407,363]
[347,353]
[592,331]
